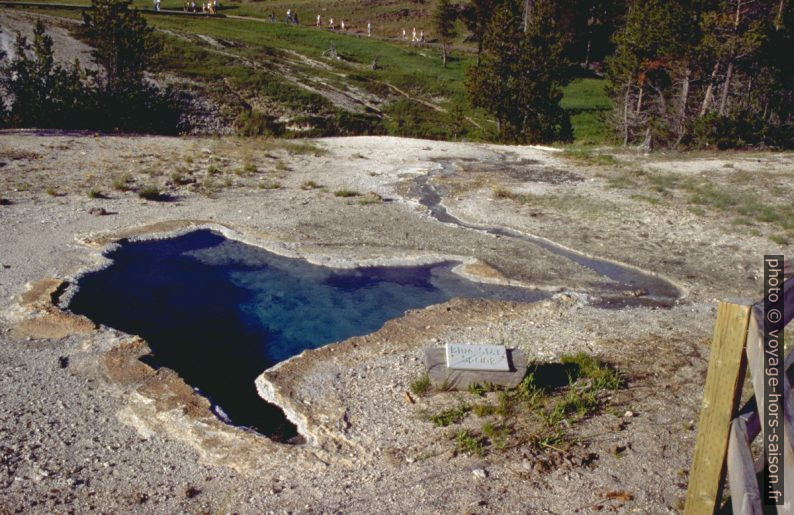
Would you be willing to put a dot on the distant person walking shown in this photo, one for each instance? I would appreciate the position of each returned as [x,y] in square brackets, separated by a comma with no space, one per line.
[331,24]
[157,5]
[413,36]
[369,29]
[319,21]
[342,22]
[404,35]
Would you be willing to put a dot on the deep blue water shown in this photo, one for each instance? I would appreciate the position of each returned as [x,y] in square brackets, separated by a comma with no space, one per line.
[219,312]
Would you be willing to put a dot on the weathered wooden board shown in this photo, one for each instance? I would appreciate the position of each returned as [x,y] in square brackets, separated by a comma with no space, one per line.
[755,357]
[745,494]
[721,395]
[452,379]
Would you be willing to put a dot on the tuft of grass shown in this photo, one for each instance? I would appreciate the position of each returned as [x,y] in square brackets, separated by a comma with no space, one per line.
[122,182]
[345,193]
[450,416]
[477,389]
[484,410]
[180,179]
[95,193]
[421,385]
[662,183]
[500,192]
[52,192]
[305,148]
[622,181]
[470,443]
[590,157]
[269,185]
[497,435]
[779,239]
[602,375]
[310,185]
[213,170]
[645,198]
[150,192]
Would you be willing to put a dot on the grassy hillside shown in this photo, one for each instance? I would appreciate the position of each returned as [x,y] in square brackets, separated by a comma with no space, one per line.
[273,77]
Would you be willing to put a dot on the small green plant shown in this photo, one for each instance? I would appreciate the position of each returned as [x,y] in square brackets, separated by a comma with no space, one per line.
[779,239]
[346,193]
[213,170]
[121,182]
[498,435]
[450,416]
[477,389]
[150,192]
[269,185]
[281,167]
[469,443]
[310,185]
[590,157]
[180,179]
[95,193]
[645,198]
[421,385]
[304,148]
[189,159]
[52,192]
[483,410]
[503,193]
[602,375]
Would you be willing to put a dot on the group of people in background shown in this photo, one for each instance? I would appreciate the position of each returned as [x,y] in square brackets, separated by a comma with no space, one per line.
[211,7]
[342,25]
[414,38]
[292,19]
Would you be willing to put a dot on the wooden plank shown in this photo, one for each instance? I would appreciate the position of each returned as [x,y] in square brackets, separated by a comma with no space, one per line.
[745,494]
[721,396]
[755,357]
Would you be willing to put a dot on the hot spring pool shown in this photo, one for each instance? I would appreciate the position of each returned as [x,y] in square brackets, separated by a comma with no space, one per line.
[219,311]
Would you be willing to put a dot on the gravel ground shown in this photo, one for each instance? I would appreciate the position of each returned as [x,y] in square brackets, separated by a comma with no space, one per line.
[85,426]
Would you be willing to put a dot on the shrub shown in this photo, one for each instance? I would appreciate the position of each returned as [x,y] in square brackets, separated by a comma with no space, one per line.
[310,185]
[255,123]
[346,193]
[450,416]
[151,193]
[421,385]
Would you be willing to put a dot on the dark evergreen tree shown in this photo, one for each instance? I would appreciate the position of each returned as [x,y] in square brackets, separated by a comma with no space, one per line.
[41,93]
[705,73]
[521,74]
[476,15]
[123,45]
[444,19]
[649,66]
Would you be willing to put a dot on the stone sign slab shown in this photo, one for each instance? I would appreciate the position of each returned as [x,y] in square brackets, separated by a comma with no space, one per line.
[441,376]
[461,356]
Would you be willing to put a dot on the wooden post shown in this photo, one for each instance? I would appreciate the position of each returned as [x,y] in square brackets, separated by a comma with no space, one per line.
[727,363]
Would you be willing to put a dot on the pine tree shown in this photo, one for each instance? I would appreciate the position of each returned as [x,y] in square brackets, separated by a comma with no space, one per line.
[648,66]
[521,74]
[123,45]
[41,93]
[444,19]
[476,15]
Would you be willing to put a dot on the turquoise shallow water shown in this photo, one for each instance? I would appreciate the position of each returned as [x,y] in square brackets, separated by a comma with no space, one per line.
[219,312]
